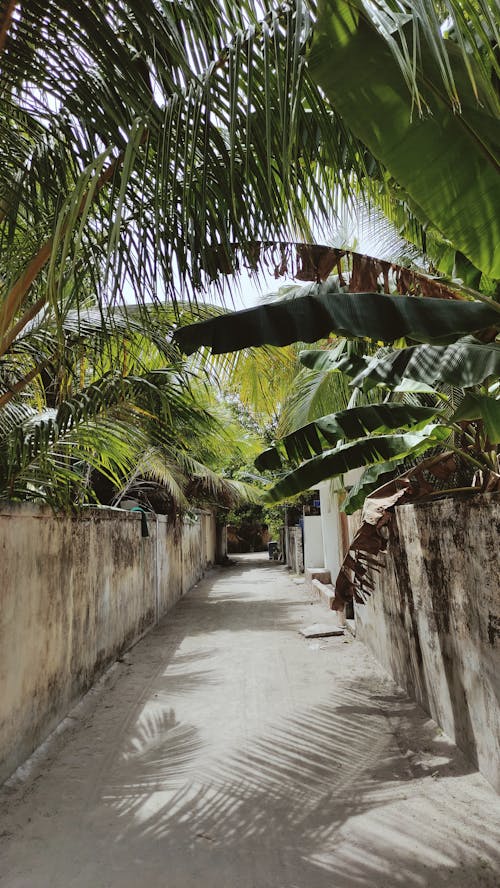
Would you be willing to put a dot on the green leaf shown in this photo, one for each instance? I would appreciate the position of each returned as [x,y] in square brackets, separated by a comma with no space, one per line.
[313,312]
[346,424]
[462,364]
[351,456]
[411,386]
[447,162]
[328,360]
[481,407]
[269,460]
[369,481]
[325,360]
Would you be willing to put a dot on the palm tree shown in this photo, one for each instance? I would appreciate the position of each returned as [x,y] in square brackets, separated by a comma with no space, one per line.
[111,412]
[126,176]
[155,144]
[163,144]
[148,149]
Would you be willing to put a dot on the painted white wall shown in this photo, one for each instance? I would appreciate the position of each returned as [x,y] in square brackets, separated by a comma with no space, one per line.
[313,541]
[329,494]
[332,536]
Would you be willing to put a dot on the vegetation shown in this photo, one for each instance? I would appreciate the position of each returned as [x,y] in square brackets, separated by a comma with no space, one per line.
[112,413]
[148,149]
[151,148]
[409,83]
[458,330]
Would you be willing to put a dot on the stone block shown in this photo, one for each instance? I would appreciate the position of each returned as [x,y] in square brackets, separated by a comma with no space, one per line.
[316,573]
[324,591]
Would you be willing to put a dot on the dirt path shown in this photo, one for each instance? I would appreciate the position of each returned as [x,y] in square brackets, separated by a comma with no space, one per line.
[229,752]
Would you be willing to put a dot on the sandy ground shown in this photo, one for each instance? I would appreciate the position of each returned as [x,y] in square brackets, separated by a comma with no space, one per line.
[229,752]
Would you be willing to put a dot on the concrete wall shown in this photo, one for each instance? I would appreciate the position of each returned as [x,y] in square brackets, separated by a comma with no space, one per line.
[74,594]
[434,620]
[209,534]
[294,549]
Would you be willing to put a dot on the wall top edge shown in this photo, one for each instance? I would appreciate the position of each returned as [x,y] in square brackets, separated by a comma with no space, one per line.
[33,510]
[475,500]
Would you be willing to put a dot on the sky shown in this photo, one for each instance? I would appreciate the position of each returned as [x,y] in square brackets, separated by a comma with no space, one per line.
[248,293]
[356,227]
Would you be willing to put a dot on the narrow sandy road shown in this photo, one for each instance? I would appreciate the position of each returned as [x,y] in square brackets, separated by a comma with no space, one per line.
[229,752]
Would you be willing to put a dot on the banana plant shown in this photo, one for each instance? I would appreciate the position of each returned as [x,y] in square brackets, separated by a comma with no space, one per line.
[360,58]
[346,425]
[310,313]
[428,368]
[475,425]
[366,451]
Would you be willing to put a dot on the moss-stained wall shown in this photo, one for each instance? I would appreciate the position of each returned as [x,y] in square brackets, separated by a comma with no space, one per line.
[74,594]
[434,620]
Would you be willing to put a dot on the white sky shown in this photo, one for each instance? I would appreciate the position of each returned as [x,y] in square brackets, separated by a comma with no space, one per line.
[247,292]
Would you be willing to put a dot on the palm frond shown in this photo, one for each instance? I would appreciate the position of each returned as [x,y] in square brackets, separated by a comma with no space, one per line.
[312,395]
[164,156]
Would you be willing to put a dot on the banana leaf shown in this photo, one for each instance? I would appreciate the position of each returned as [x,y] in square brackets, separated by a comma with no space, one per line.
[324,361]
[481,407]
[313,312]
[446,162]
[462,364]
[352,456]
[370,480]
[328,360]
[346,424]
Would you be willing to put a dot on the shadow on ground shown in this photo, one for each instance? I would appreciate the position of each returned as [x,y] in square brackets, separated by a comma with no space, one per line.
[293,796]
[356,791]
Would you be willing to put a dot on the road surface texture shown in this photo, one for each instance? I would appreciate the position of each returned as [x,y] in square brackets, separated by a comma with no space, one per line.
[227,751]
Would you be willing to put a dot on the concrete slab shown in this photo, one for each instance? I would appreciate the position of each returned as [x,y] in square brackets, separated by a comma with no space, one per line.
[230,754]
[320,630]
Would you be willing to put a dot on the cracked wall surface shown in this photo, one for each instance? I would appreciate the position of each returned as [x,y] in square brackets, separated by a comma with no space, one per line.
[434,619]
[75,593]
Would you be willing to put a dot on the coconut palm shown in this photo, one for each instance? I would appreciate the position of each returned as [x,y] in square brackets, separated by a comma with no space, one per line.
[162,144]
[148,149]
[155,144]
[111,411]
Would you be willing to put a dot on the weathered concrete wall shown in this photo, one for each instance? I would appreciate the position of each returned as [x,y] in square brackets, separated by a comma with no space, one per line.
[209,533]
[434,620]
[74,594]
[294,549]
[170,564]
[192,554]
